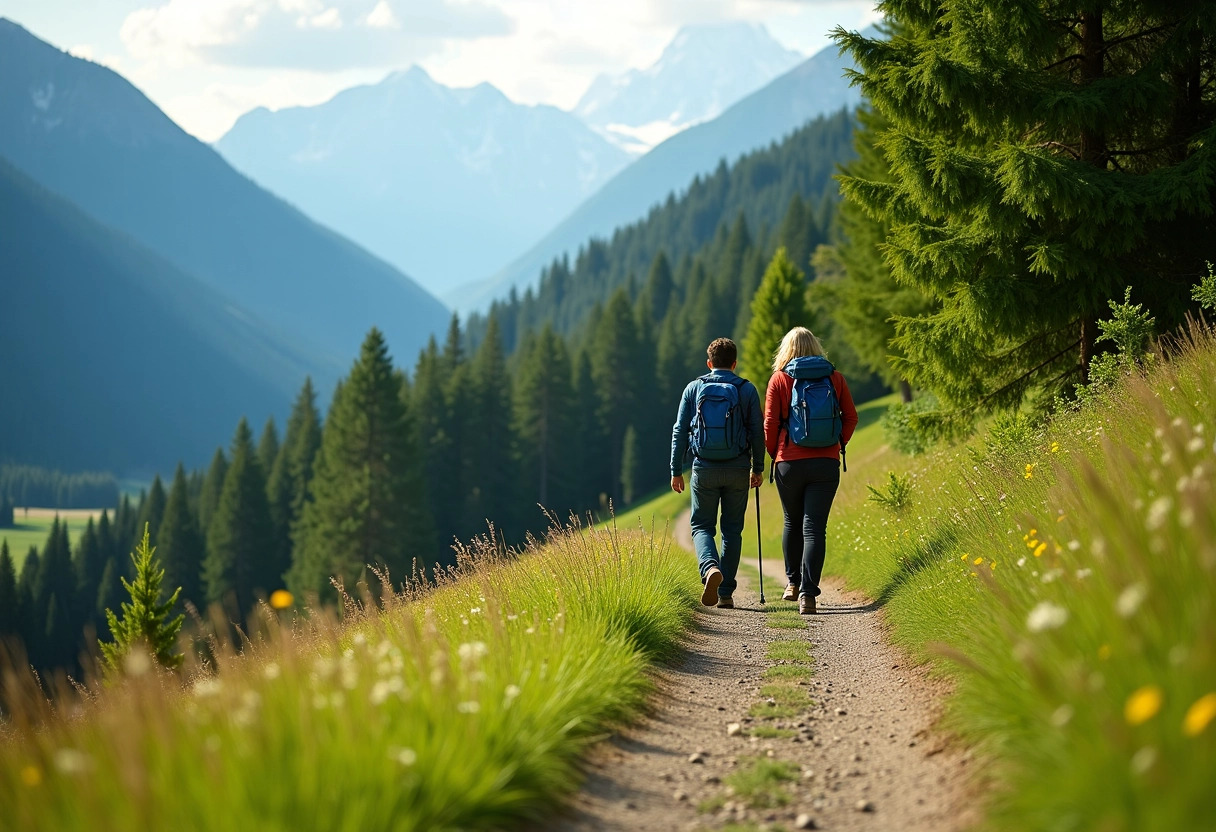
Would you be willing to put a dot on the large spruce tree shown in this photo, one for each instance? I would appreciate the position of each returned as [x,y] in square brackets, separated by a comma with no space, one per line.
[90,560]
[182,546]
[492,493]
[287,485]
[152,509]
[213,485]
[55,602]
[1043,158]
[614,370]
[778,306]
[239,537]
[369,502]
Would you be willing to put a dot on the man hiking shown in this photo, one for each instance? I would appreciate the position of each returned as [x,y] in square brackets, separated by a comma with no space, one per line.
[722,423]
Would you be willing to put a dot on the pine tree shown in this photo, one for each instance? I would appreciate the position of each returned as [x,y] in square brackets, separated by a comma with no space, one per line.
[657,295]
[125,518]
[778,306]
[152,508]
[435,442]
[213,485]
[544,417]
[182,545]
[268,446]
[866,299]
[287,486]
[240,535]
[1042,160]
[589,454]
[369,502]
[491,494]
[54,600]
[614,362]
[145,622]
[633,466]
[460,474]
[90,563]
[9,605]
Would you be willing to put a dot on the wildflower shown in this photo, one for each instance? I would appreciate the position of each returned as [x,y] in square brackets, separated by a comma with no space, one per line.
[475,611]
[1199,715]
[207,687]
[512,691]
[1060,518]
[468,707]
[1055,447]
[1158,512]
[271,670]
[992,565]
[1029,471]
[1130,600]
[31,776]
[1143,705]
[1062,716]
[1021,562]
[405,756]
[1074,545]
[978,561]
[1082,574]
[1040,549]
[471,651]
[1144,759]
[1046,616]
[380,692]
[964,557]
[281,599]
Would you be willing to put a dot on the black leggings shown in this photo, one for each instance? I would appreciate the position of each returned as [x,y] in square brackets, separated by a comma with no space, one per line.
[807,488]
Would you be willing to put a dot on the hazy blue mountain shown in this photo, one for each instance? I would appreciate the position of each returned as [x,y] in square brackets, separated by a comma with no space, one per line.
[446,184]
[112,357]
[87,134]
[704,70]
[815,87]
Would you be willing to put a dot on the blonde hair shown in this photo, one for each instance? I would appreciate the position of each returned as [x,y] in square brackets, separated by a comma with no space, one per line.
[798,342]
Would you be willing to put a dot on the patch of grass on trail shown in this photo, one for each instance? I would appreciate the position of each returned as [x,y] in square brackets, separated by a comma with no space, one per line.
[793,650]
[1068,585]
[467,706]
[758,781]
[787,672]
[787,620]
[768,732]
[780,701]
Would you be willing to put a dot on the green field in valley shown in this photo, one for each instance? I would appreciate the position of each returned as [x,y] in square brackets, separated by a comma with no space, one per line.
[32,527]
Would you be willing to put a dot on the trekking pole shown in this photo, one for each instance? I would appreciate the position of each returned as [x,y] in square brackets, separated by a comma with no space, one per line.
[759,547]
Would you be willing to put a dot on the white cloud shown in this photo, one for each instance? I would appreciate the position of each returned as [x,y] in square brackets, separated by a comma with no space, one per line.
[308,34]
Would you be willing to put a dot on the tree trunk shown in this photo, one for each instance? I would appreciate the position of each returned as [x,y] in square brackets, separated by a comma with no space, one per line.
[1094,152]
[905,391]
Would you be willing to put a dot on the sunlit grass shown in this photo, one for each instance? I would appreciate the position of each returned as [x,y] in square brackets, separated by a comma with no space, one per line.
[793,650]
[465,707]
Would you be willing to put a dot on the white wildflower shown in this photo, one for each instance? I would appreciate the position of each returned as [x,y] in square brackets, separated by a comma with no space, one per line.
[271,670]
[1074,545]
[1046,616]
[72,761]
[1144,759]
[512,691]
[1082,574]
[380,692]
[1130,600]
[207,687]
[1158,512]
[471,651]
[475,611]
[1062,716]
[405,756]
[470,707]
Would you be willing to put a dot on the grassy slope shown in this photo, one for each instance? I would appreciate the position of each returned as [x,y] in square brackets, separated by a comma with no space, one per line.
[465,708]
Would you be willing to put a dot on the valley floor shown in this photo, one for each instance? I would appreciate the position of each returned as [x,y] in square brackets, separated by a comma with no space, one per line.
[868,738]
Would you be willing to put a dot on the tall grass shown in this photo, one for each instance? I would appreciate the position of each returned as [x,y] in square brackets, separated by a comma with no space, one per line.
[464,707]
[1068,585]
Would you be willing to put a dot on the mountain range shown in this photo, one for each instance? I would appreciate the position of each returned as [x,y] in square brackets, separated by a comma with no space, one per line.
[86,134]
[416,171]
[815,87]
[702,71]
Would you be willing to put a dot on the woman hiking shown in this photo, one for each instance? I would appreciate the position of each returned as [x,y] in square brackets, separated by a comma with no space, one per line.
[808,419]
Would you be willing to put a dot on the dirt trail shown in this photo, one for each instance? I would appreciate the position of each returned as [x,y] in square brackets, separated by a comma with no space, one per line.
[867,740]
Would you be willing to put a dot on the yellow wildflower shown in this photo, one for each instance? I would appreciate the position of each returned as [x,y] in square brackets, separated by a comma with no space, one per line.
[1199,715]
[1029,471]
[31,776]
[1104,652]
[964,557]
[1033,532]
[1055,447]
[1060,518]
[992,565]
[1040,549]
[281,599]
[978,561]
[1143,705]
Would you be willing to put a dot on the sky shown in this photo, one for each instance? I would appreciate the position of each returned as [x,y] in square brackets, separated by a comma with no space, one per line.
[205,62]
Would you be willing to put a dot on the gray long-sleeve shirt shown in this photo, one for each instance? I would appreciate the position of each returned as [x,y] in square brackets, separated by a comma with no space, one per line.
[753,418]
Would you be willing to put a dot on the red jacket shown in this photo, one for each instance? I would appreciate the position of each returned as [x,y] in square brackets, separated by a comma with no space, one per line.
[777,411]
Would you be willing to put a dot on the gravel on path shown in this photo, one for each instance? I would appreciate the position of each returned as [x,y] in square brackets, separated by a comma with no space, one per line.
[868,755]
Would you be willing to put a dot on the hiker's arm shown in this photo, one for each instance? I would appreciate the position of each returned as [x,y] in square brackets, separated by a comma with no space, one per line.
[679,432]
[772,416]
[755,429]
[848,412]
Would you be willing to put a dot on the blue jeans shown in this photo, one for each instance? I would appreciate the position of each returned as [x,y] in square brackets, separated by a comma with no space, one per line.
[711,487]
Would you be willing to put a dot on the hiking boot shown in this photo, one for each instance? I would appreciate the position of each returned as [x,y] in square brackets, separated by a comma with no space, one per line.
[806,604]
[713,580]
[726,603]
[790,593]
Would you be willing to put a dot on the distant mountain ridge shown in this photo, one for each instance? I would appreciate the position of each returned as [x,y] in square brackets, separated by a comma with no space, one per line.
[704,70]
[86,134]
[113,358]
[444,183]
[815,87]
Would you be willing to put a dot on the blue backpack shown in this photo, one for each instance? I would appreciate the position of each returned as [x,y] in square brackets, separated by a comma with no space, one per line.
[718,431]
[815,418]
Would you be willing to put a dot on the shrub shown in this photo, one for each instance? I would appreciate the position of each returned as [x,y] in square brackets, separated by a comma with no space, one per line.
[897,496]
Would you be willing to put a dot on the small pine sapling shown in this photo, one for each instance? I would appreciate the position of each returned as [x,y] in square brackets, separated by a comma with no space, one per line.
[145,620]
[1204,292]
